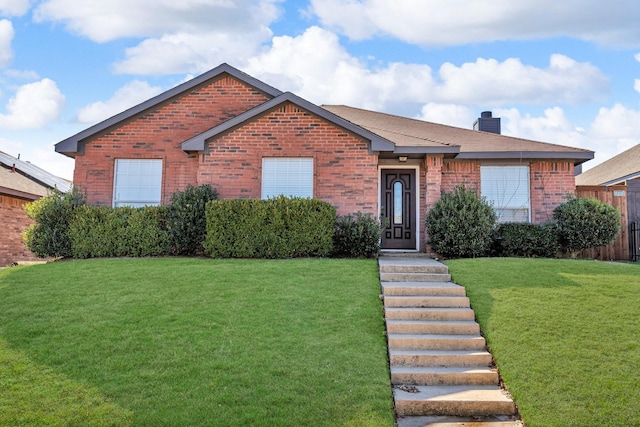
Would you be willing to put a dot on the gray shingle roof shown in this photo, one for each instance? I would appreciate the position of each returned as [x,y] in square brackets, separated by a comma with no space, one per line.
[412,135]
[27,177]
[623,167]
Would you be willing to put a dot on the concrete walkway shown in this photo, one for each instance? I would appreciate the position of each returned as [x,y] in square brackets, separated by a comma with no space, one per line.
[441,371]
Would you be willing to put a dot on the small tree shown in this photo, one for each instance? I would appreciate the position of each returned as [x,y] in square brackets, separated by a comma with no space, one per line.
[585,223]
[49,236]
[187,219]
[461,224]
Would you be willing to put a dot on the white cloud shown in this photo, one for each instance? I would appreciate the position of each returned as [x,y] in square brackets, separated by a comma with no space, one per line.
[448,114]
[14,7]
[611,132]
[103,21]
[177,53]
[33,106]
[488,81]
[22,74]
[126,97]
[438,23]
[315,66]
[554,127]
[636,85]
[6,37]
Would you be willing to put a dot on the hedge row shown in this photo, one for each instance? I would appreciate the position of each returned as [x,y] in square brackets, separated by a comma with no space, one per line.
[274,228]
[195,223]
[119,232]
[463,224]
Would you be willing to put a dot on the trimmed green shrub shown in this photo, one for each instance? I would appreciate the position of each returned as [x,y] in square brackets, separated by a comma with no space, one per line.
[461,224]
[524,239]
[49,236]
[118,232]
[187,219]
[585,223]
[357,236]
[275,228]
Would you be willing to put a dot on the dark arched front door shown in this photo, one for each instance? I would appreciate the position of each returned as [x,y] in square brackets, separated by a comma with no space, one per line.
[397,208]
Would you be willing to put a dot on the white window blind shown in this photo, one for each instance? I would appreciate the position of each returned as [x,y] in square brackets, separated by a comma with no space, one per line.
[292,177]
[507,189]
[137,182]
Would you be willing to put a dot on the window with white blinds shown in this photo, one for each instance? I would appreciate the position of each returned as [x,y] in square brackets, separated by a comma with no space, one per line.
[507,189]
[137,182]
[291,177]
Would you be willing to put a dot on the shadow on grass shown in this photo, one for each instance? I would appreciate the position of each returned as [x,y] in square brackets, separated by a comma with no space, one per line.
[31,394]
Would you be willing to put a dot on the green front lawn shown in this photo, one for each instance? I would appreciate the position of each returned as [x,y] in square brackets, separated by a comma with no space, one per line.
[565,335]
[193,342]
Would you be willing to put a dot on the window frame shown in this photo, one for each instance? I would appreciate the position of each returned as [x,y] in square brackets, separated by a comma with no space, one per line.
[157,172]
[279,172]
[512,189]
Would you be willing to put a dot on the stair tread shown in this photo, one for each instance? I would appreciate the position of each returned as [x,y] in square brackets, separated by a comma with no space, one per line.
[430,308]
[470,393]
[427,352]
[440,369]
[431,322]
[453,337]
[421,287]
[449,421]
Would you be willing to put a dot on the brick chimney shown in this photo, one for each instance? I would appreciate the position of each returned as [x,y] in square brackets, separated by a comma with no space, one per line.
[487,123]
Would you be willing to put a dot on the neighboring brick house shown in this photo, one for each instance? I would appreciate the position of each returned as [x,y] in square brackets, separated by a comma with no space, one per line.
[20,183]
[617,182]
[250,140]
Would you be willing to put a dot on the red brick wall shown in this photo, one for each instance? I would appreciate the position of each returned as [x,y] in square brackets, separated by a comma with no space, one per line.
[345,174]
[460,172]
[158,134]
[14,221]
[550,182]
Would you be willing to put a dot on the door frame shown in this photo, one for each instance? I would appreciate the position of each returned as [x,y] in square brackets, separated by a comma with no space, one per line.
[416,201]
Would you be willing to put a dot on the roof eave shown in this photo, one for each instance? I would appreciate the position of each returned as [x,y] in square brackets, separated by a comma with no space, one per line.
[427,150]
[199,142]
[578,157]
[19,194]
[622,179]
[69,146]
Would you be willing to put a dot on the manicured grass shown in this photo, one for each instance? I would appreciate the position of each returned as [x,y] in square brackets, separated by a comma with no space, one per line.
[193,342]
[565,335]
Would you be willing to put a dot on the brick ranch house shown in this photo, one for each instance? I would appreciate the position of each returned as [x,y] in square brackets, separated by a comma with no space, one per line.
[20,183]
[249,140]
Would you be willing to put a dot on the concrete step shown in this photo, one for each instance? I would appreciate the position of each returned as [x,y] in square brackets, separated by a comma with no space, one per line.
[426,301]
[446,421]
[422,288]
[447,327]
[414,277]
[435,342]
[474,400]
[414,268]
[433,313]
[444,375]
[440,357]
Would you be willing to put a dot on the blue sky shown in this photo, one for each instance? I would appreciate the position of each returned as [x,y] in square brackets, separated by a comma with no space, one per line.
[561,72]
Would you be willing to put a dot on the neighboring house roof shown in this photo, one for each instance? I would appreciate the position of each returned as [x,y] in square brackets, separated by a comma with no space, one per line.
[623,167]
[198,143]
[23,179]
[69,146]
[414,136]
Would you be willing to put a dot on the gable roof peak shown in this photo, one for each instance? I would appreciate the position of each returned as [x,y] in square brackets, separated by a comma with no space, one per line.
[69,146]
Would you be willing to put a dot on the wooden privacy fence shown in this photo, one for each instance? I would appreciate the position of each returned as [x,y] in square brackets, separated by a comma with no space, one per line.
[616,196]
